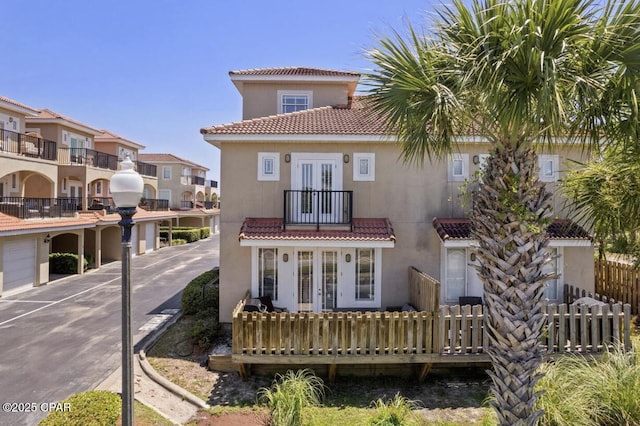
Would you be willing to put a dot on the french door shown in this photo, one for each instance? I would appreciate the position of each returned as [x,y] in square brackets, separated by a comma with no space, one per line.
[316,276]
[315,177]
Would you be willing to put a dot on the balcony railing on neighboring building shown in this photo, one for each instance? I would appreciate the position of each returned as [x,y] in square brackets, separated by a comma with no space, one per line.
[100,203]
[87,157]
[27,145]
[154,205]
[28,207]
[146,169]
[186,204]
[192,180]
[318,208]
[212,183]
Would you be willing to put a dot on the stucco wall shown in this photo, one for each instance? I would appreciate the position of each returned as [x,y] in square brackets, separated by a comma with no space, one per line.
[261,100]
[410,196]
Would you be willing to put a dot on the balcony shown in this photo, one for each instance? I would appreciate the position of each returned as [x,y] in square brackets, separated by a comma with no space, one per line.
[30,208]
[87,157]
[27,145]
[318,208]
[146,169]
[154,205]
[192,180]
[212,183]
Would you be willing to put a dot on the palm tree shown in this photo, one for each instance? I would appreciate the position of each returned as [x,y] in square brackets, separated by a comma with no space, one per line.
[523,74]
[605,195]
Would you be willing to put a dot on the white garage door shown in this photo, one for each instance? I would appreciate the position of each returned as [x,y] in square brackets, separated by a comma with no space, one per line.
[19,264]
[150,236]
[134,240]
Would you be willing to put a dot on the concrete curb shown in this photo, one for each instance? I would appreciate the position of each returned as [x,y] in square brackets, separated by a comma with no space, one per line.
[156,377]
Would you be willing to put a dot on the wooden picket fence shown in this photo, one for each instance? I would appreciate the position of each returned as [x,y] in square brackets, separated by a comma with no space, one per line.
[618,281]
[424,291]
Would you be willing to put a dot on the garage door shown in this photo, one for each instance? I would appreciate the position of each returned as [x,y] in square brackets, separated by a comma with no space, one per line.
[19,264]
[150,236]
[134,240]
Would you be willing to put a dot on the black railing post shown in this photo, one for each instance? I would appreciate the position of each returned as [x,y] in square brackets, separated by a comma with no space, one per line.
[350,198]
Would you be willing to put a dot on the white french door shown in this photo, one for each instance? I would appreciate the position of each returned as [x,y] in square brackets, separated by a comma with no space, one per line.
[316,277]
[314,176]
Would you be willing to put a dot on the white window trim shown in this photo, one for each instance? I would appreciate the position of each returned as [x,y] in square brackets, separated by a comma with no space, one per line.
[555,163]
[275,173]
[464,158]
[307,93]
[163,174]
[371,158]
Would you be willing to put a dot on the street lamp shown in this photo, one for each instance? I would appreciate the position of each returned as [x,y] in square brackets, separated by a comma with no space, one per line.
[126,189]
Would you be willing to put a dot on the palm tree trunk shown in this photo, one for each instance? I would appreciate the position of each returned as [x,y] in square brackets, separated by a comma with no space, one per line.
[512,251]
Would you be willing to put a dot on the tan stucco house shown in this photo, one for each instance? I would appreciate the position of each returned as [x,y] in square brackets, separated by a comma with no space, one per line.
[321,214]
[54,194]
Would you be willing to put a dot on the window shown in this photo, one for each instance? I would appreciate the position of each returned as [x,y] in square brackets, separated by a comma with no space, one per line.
[292,101]
[548,165]
[364,166]
[64,184]
[166,172]
[164,194]
[269,166]
[268,272]
[99,188]
[14,181]
[365,274]
[458,169]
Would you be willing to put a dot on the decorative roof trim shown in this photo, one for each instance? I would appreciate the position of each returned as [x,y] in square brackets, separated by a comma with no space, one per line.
[16,106]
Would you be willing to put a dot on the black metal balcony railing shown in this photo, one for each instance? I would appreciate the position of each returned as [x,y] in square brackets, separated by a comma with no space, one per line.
[100,203]
[186,204]
[87,157]
[154,205]
[318,208]
[208,204]
[28,208]
[146,169]
[27,145]
[212,183]
[192,180]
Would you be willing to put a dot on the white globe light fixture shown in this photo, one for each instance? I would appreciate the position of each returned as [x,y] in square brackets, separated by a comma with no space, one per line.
[126,185]
[126,188]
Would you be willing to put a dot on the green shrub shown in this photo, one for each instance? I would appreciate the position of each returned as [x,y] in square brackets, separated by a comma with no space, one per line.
[290,394]
[205,232]
[190,235]
[396,412]
[178,242]
[201,299]
[198,296]
[65,263]
[87,408]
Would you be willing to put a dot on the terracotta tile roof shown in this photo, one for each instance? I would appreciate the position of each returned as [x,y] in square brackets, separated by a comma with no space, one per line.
[141,215]
[167,158]
[272,229]
[460,229]
[18,104]
[10,224]
[354,119]
[108,136]
[47,114]
[297,71]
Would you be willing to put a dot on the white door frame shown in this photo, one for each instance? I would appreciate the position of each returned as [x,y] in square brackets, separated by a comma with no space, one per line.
[297,178]
[316,292]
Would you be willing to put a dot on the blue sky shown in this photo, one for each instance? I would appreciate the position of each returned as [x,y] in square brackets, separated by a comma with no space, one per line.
[156,71]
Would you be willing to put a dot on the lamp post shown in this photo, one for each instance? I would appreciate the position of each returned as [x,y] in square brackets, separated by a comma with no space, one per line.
[126,189]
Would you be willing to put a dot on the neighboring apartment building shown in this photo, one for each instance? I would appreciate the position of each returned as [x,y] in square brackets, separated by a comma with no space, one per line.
[182,182]
[321,214]
[54,194]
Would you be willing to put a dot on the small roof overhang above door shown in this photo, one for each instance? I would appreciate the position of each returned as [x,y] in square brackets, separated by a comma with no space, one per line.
[270,232]
[456,232]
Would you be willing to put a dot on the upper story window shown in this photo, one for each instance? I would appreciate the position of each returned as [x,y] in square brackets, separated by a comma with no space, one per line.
[548,165]
[268,166]
[364,166]
[166,172]
[458,168]
[292,101]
